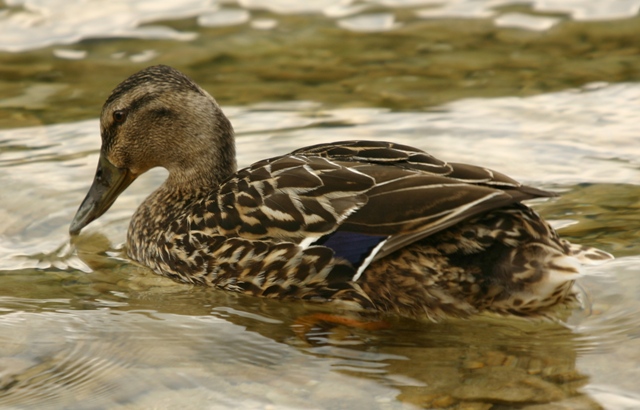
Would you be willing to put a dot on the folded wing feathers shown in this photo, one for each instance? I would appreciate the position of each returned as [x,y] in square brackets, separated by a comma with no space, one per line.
[303,197]
[361,186]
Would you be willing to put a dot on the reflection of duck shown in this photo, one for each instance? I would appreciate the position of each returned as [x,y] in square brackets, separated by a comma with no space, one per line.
[374,225]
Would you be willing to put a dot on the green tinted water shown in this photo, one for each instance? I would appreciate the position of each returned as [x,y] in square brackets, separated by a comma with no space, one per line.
[82,327]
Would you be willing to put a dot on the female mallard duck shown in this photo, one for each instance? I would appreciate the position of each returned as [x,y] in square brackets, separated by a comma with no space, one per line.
[374,225]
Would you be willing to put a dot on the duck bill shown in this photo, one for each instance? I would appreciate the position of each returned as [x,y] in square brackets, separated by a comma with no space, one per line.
[108,184]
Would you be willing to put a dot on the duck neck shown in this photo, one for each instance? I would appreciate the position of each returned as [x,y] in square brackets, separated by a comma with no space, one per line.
[205,164]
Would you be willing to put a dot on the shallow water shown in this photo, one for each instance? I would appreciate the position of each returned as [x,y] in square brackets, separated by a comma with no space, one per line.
[82,327]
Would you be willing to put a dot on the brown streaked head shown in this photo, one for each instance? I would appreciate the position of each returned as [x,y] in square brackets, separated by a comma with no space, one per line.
[158,117]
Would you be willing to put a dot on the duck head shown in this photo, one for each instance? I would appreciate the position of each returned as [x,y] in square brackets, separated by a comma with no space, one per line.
[158,117]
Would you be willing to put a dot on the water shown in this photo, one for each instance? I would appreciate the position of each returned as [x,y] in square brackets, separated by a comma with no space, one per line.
[82,327]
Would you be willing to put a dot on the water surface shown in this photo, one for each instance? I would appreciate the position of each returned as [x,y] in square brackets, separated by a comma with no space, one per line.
[552,102]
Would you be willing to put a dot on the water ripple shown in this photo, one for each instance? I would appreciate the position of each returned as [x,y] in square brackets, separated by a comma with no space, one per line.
[102,359]
[27,25]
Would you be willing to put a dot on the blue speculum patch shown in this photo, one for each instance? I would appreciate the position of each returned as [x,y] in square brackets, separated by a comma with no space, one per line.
[352,246]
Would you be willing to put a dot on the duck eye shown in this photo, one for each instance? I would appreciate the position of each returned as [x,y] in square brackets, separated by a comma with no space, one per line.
[119,116]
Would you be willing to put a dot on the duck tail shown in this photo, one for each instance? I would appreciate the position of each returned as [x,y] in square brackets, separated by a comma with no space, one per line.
[588,255]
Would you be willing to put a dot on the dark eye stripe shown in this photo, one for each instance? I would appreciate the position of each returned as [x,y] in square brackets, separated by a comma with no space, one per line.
[161,113]
[140,102]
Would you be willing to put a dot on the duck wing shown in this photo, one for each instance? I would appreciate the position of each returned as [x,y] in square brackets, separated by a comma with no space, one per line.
[363,199]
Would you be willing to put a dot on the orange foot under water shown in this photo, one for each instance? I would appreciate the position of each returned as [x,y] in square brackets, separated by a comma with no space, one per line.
[304,324]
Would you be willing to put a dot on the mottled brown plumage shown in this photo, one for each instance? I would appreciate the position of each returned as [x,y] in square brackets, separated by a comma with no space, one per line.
[372,225]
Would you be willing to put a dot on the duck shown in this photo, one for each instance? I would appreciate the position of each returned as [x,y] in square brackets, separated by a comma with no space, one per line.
[365,225]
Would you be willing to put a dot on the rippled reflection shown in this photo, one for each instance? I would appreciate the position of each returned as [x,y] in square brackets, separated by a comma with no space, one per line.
[34,24]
